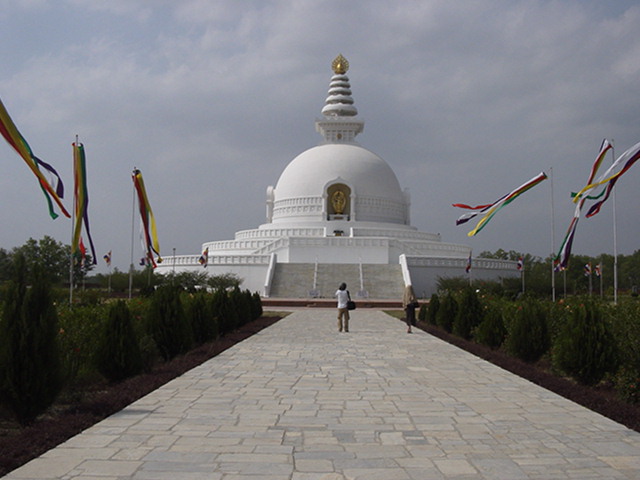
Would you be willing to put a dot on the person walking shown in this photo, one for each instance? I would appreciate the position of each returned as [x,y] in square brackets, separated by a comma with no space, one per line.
[343,313]
[409,303]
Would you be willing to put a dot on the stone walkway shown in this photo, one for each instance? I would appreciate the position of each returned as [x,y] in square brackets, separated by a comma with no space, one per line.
[300,401]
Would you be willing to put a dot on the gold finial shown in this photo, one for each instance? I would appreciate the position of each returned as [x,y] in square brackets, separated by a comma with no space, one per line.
[340,65]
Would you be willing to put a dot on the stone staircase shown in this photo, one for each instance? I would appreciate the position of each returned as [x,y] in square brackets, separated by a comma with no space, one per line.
[295,280]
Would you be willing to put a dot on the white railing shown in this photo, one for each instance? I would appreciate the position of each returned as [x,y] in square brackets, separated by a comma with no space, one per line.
[270,271]
[406,274]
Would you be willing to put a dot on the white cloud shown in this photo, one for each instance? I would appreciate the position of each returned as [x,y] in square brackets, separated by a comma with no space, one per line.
[213,99]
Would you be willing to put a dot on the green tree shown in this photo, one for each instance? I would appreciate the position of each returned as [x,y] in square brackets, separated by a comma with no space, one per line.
[447,312]
[434,305]
[189,281]
[585,347]
[5,265]
[469,314]
[118,353]
[224,310]
[491,331]
[29,355]
[528,333]
[225,280]
[203,324]
[49,255]
[167,323]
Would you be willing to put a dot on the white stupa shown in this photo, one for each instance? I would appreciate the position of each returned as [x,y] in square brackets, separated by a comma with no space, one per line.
[337,213]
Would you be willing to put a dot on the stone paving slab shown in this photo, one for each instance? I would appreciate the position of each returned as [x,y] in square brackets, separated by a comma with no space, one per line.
[300,401]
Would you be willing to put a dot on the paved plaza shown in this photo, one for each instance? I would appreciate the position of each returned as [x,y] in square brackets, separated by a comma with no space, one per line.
[300,401]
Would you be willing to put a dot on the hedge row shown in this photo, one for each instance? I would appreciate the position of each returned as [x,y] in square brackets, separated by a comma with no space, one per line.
[44,347]
[584,338]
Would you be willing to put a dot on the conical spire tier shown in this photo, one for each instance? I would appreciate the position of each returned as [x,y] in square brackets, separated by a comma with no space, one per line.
[339,124]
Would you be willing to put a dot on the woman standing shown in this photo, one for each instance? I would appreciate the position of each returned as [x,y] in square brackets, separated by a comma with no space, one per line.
[343,314]
[409,303]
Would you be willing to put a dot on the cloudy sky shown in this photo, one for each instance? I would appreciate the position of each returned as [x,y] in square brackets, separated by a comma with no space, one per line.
[211,100]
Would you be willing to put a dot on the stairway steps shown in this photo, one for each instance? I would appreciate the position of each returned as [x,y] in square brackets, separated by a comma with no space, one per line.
[296,280]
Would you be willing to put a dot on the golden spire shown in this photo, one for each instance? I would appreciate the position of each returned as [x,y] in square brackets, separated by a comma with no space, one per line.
[340,65]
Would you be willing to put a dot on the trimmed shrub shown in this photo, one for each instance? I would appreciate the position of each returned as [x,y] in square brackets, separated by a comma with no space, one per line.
[626,330]
[241,303]
[256,306]
[224,311]
[422,313]
[118,355]
[491,331]
[469,314]
[167,323]
[203,324]
[584,348]
[29,357]
[628,385]
[434,305]
[528,336]
[447,312]
[80,330]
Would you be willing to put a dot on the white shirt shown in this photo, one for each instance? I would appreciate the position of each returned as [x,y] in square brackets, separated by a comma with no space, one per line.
[343,297]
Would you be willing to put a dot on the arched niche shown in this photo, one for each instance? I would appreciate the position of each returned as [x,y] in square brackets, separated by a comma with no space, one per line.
[338,200]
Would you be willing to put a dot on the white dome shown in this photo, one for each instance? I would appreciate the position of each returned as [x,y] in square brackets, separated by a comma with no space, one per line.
[373,184]
[310,172]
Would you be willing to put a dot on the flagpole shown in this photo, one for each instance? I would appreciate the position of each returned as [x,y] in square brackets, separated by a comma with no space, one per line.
[133,211]
[73,222]
[601,272]
[553,244]
[615,240]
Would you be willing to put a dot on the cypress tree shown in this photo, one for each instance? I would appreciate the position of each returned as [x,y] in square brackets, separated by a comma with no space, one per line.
[528,334]
[585,347]
[29,354]
[256,306]
[118,355]
[167,323]
[447,312]
[434,305]
[203,324]
[469,314]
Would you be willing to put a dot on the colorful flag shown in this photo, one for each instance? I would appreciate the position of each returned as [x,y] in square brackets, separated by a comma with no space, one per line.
[11,134]
[107,258]
[489,210]
[83,253]
[520,263]
[150,235]
[204,258]
[562,258]
[81,201]
[587,269]
[468,267]
[598,270]
[628,158]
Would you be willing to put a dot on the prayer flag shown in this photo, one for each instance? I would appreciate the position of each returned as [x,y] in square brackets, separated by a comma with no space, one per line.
[13,137]
[81,201]
[150,235]
[562,258]
[489,210]
[204,258]
[107,258]
[627,159]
